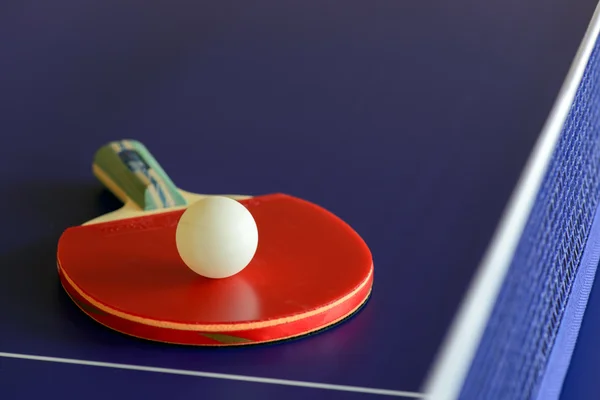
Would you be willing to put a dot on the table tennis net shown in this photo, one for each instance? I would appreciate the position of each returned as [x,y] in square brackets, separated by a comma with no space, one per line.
[514,353]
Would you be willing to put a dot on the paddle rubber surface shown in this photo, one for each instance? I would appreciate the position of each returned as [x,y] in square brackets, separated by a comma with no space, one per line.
[310,271]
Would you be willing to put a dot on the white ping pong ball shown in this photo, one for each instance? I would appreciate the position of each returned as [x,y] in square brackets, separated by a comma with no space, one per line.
[216,237]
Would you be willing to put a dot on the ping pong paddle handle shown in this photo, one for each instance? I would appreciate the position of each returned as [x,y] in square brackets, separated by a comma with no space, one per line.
[131,173]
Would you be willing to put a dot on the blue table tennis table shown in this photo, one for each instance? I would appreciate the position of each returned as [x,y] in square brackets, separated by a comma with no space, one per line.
[460,138]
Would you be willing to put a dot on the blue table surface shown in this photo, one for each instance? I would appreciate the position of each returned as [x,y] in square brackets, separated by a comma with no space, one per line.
[581,382]
[410,120]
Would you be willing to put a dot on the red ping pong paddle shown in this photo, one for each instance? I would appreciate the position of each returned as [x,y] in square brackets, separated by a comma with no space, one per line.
[310,270]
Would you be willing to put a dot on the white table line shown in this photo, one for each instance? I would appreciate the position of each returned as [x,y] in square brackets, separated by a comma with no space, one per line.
[286,382]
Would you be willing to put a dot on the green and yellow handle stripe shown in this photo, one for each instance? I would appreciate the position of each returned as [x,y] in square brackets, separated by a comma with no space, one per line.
[128,169]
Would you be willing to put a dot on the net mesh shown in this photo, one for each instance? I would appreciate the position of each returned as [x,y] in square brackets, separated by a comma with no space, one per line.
[516,344]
